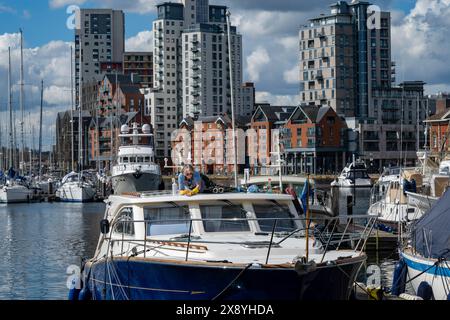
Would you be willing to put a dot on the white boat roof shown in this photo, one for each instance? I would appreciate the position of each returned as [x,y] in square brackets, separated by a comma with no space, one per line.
[135,150]
[158,197]
[276,179]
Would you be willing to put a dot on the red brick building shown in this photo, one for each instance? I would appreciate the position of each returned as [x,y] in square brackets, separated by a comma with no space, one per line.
[317,140]
[211,144]
[312,138]
[439,136]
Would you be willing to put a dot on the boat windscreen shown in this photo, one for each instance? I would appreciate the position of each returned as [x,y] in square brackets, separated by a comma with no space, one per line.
[222,218]
[166,219]
[270,210]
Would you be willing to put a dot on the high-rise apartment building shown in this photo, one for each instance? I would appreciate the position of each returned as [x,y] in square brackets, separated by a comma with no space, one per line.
[343,58]
[191,69]
[140,63]
[248,99]
[101,39]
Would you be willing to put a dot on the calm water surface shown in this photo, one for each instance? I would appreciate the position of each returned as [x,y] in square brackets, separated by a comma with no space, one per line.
[39,241]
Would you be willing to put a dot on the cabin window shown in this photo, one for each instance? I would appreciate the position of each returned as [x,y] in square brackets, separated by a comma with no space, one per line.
[218,216]
[167,219]
[140,160]
[132,159]
[147,159]
[124,223]
[358,174]
[125,159]
[271,210]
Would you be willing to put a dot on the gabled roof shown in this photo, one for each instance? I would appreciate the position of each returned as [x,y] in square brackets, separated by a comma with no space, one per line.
[439,117]
[105,122]
[121,78]
[275,113]
[314,113]
[130,89]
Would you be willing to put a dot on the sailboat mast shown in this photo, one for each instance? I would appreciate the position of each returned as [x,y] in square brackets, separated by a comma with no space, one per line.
[401,126]
[72,162]
[22,164]
[233,120]
[10,127]
[40,130]
[417,122]
[80,109]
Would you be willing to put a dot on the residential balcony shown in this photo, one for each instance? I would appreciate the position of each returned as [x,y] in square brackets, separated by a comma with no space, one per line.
[195,49]
[196,102]
[321,96]
[321,35]
[196,58]
[196,67]
[196,84]
[195,93]
[318,76]
[324,55]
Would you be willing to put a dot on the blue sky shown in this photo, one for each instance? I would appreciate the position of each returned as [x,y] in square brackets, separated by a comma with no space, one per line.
[43,24]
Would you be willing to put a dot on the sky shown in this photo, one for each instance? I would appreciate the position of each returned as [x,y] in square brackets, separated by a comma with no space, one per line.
[420,46]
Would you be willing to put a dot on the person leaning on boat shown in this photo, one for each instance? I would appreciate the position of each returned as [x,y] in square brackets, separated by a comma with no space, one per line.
[190,181]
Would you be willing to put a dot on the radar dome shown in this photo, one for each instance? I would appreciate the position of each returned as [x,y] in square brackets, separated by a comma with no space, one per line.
[124,129]
[146,129]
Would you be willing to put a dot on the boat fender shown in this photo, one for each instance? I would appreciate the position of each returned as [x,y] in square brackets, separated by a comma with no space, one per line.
[399,279]
[410,297]
[74,294]
[85,294]
[303,268]
[425,291]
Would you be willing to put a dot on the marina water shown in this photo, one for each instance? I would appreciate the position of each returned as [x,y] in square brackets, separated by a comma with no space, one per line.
[39,241]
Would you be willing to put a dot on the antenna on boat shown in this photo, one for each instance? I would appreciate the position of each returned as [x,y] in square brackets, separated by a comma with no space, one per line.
[233,120]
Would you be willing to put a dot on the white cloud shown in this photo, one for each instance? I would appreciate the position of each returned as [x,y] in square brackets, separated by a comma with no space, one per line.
[134,6]
[143,41]
[63,3]
[291,76]
[54,95]
[26,14]
[277,100]
[256,62]
[6,9]
[49,62]
[420,43]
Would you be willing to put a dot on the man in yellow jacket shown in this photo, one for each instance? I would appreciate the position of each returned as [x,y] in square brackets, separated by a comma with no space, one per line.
[190,182]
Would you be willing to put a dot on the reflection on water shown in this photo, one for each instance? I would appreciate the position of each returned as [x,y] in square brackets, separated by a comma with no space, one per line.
[39,241]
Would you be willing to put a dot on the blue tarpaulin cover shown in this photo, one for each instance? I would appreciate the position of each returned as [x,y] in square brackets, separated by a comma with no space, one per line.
[432,231]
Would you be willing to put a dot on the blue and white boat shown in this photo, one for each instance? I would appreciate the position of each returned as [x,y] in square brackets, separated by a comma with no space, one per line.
[231,246]
[427,254]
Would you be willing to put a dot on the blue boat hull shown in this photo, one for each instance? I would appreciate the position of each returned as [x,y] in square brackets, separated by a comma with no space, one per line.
[146,279]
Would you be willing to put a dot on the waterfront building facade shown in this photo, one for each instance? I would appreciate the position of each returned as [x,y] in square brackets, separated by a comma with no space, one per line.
[100,40]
